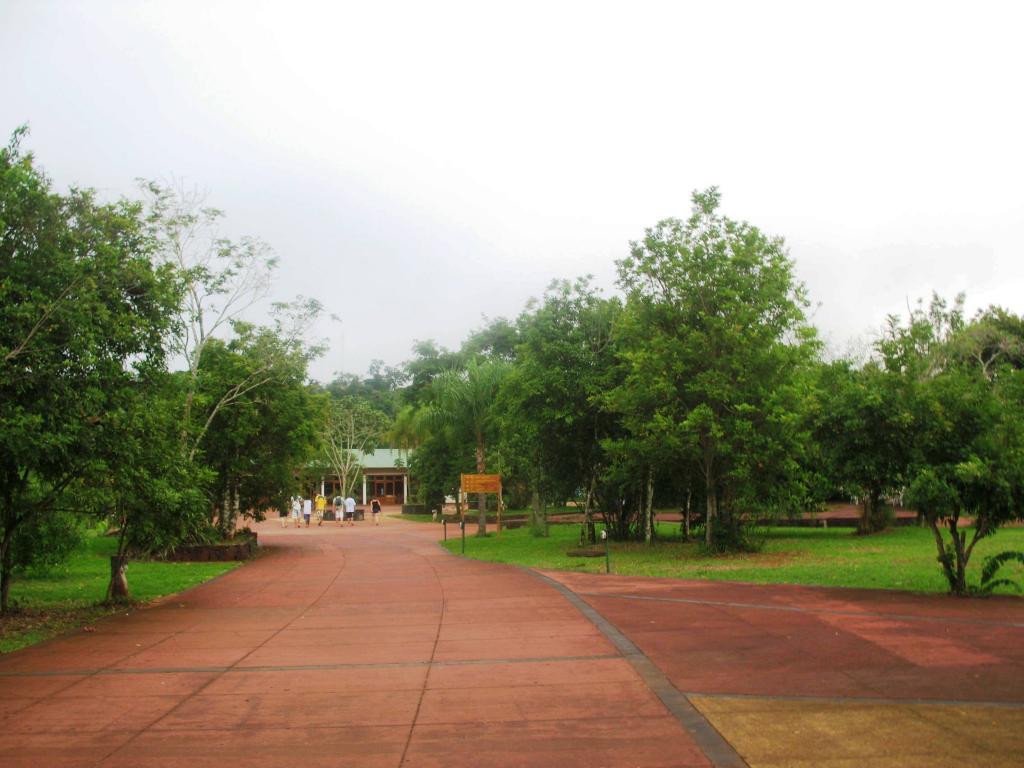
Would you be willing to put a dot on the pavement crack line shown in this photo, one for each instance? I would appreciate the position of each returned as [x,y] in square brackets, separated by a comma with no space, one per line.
[309,667]
[714,746]
[216,677]
[430,664]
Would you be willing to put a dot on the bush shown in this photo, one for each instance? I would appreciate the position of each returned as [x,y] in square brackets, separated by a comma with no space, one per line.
[992,565]
[45,541]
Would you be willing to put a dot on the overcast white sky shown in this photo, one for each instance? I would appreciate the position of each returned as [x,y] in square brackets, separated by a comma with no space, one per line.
[419,165]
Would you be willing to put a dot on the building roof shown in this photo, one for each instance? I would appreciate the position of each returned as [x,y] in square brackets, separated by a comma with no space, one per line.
[384,458]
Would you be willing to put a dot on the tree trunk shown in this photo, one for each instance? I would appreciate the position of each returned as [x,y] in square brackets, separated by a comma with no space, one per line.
[587,533]
[538,520]
[947,567]
[6,568]
[481,525]
[225,505]
[959,539]
[649,516]
[481,467]
[686,515]
[712,509]
[118,580]
[873,518]
[236,508]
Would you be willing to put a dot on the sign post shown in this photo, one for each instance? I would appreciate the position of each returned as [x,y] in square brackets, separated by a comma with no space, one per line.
[482,484]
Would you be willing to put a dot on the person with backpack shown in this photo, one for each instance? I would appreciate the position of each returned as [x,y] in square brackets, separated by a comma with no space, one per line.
[339,509]
[375,508]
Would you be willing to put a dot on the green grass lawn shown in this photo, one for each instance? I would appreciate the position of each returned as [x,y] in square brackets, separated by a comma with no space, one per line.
[472,515]
[68,595]
[901,558]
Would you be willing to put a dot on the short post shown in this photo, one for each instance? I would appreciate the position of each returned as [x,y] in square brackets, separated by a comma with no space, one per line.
[462,525]
[607,561]
[444,524]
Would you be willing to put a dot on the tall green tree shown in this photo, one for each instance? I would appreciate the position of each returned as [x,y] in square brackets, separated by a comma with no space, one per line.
[381,387]
[350,428]
[429,361]
[865,422]
[464,405]
[221,280]
[971,465]
[83,315]
[713,332]
[155,499]
[497,340]
[553,406]
[255,439]
[968,392]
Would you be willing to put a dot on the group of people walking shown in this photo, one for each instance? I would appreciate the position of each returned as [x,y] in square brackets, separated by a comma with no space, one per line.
[306,510]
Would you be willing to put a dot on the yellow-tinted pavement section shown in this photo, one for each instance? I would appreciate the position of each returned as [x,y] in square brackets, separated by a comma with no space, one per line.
[823,733]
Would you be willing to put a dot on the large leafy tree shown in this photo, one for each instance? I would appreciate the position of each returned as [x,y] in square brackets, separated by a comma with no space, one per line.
[428,362]
[712,334]
[967,381]
[554,421]
[864,422]
[155,499]
[255,440]
[380,388]
[350,428]
[971,464]
[83,314]
[221,280]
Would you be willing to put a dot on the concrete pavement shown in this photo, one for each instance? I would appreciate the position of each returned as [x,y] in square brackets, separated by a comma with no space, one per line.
[370,646]
[807,676]
[341,647]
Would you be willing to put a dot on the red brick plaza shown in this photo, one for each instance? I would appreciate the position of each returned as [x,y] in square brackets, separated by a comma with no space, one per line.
[373,647]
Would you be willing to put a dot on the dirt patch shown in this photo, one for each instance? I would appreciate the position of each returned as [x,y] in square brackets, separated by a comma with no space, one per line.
[586,552]
[240,548]
[742,562]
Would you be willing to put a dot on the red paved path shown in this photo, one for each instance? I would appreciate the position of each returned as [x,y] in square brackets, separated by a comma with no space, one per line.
[340,647]
[372,647]
[781,640]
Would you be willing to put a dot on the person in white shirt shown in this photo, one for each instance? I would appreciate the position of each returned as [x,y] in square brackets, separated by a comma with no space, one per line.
[350,509]
[307,510]
[339,509]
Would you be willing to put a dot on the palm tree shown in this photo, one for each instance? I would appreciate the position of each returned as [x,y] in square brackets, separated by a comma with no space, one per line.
[464,403]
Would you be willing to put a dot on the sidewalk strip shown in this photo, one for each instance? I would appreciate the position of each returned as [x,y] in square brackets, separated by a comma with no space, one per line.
[715,747]
[797,609]
[868,700]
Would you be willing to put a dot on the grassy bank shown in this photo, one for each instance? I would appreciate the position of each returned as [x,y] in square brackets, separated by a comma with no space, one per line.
[68,596]
[902,558]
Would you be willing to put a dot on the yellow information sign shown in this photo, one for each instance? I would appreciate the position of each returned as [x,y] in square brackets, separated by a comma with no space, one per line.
[481,483]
